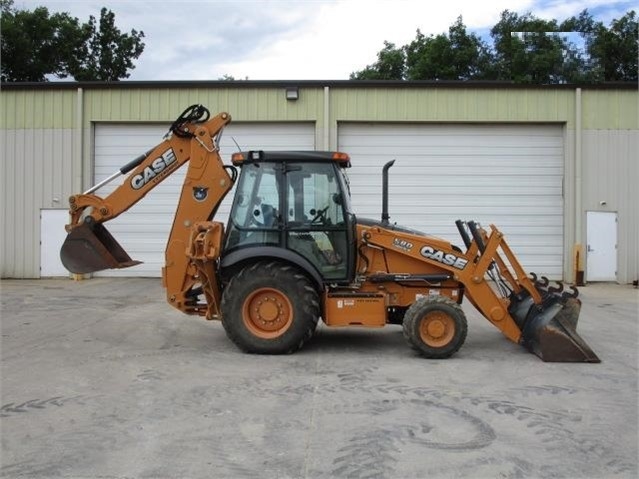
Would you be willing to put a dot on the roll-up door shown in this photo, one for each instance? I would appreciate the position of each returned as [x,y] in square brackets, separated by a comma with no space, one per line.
[509,175]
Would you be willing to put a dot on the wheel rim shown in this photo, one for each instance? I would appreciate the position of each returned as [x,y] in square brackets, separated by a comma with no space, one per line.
[267,313]
[437,329]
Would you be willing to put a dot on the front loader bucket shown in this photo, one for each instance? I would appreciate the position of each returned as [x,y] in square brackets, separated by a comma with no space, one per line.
[550,331]
[90,247]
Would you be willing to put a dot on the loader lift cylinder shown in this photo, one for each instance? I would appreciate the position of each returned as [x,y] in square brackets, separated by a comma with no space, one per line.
[477,236]
[463,233]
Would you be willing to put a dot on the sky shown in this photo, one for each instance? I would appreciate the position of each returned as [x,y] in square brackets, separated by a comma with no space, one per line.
[296,40]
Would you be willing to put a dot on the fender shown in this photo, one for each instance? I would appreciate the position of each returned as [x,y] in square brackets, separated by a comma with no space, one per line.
[265,252]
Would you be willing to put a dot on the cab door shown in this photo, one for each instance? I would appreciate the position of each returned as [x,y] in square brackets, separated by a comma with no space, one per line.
[315,219]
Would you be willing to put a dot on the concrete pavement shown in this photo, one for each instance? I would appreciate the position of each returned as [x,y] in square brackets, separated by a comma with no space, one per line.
[102,379]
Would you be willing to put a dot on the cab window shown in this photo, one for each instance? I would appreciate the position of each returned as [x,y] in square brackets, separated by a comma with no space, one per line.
[255,214]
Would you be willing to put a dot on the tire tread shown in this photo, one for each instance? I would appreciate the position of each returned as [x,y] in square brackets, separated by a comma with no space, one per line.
[300,293]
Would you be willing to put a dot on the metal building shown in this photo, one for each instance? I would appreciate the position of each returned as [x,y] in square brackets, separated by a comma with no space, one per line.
[555,167]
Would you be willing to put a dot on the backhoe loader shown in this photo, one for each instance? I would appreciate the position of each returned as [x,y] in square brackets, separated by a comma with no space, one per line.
[293,252]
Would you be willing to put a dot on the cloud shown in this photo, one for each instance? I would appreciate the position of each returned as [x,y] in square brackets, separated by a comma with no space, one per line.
[287,39]
[605,10]
[345,36]
[208,41]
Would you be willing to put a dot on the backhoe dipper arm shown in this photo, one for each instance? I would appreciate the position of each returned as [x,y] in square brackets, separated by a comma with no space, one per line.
[194,143]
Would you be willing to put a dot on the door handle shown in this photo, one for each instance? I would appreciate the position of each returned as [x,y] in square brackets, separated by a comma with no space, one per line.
[590,249]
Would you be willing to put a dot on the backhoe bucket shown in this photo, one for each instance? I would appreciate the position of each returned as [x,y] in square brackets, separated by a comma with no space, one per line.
[550,330]
[90,247]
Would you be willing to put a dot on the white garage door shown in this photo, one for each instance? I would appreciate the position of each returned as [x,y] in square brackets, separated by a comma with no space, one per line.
[144,229]
[508,175]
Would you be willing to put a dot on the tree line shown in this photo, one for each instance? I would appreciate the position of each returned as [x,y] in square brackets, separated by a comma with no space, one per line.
[524,49]
[37,44]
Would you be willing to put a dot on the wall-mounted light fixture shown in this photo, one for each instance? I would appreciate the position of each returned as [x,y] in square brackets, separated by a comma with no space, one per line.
[292,93]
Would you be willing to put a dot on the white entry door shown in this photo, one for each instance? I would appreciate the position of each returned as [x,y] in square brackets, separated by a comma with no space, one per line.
[601,248]
[52,235]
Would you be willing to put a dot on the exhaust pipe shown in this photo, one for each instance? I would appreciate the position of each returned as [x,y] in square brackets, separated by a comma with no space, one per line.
[385,215]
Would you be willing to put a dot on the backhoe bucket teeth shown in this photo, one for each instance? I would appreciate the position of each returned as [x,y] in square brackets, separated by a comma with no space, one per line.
[90,248]
[550,330]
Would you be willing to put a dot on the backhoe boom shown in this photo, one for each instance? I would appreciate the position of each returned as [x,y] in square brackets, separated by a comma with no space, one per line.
[193,139]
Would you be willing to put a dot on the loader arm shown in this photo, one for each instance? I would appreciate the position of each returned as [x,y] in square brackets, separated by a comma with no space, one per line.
[495,283]
[194,242]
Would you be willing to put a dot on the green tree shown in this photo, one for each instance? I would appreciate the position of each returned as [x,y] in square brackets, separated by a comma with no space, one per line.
[533,50]
[613,51]
[107,54]
[588,28]
[36,44]
[389,65]
[456,56]
[525,49]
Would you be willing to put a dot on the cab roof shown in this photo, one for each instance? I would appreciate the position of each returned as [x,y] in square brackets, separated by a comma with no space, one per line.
[310,156]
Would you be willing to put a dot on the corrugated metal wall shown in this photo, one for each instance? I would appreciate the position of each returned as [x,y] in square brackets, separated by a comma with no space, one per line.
[610,161]
[33,109]
[611,174]
[37,172]
[459,104]
[39,163]
[46,136]
[610,109]
[245,104]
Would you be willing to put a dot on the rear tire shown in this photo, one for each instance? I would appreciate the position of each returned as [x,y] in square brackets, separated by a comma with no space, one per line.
[270,308]
[435,326]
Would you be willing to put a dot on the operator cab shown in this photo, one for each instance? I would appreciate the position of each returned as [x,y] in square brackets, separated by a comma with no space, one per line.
[299,201]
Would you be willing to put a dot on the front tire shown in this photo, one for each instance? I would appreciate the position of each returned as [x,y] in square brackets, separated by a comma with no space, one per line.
[435,326]
[270,308]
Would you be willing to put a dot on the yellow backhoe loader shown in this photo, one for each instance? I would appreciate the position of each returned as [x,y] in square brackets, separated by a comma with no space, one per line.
[293,252]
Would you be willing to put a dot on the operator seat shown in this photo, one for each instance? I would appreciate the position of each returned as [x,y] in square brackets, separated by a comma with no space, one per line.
[269,215]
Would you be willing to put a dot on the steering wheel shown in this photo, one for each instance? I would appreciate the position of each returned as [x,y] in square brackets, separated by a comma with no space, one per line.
[319,216]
